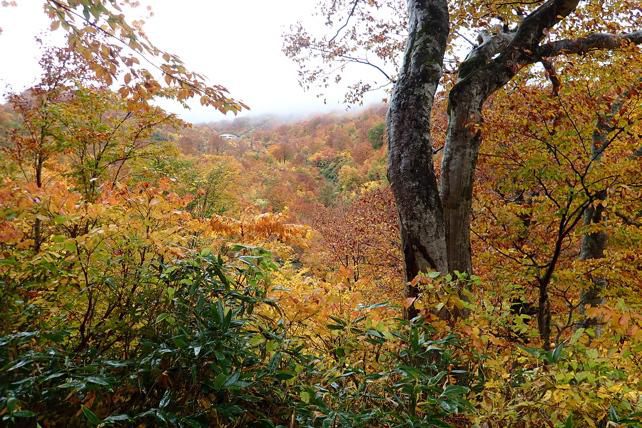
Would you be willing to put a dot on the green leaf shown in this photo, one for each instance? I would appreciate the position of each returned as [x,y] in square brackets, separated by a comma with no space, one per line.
[116,418]
[284,374]
[11,404]
[20,363]
[256,340]
[557,353]
[231,379]
[169,319]
[219,381]
[97,380]
[165,400]
[114,363]
[23,414]
[91,416]
[455,390]
[8,261]
[433,275]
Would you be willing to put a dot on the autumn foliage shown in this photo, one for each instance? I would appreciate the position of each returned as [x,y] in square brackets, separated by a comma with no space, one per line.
[153,273]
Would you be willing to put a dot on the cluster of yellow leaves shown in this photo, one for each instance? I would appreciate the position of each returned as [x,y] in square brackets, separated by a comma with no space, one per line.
[99,30]
[586,384]
[260,228]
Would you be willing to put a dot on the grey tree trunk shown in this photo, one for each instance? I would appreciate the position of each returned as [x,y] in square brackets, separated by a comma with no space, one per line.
[457,174]
[410,163]
[486,69]
[478,78]
[436,236]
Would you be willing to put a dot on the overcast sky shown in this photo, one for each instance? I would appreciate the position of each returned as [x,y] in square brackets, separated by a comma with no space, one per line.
[235,43]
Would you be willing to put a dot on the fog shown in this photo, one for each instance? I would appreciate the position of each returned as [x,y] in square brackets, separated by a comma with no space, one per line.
[234,43]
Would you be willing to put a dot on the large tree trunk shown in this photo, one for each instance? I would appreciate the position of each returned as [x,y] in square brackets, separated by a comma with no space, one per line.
[457,173]
[478,78]
[410,163]
[434,236]
[486,69]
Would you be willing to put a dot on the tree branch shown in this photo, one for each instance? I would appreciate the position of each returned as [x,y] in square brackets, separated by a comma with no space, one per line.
[588,43]
[534,26]
[345,24]
[357,60]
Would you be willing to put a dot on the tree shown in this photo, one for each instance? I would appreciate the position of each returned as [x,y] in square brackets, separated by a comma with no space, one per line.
[550,187]
[103,133]
[435,214]
[115,49]
[33,142]
[214,187]
[281,152]
[361,237]
[375,135]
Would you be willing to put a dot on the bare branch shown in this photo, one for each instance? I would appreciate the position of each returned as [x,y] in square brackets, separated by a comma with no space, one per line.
[345,24]
[357,60]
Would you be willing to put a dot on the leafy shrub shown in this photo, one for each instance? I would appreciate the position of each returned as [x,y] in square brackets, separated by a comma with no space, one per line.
[330,168]
[571,385]
[210,358]
[216,353]
[410,382]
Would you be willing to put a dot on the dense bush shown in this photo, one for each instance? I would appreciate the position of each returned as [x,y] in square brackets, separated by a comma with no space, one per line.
[413,386]
[216,354]
[208,358]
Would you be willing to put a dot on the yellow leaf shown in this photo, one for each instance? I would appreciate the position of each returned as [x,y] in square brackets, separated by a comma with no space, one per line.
[615,388]
[547,396]
[409,302]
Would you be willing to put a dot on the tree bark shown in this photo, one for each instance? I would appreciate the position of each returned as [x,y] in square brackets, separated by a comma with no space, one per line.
[478,78]
[592,247]
[436,236]
[410,163]
[457,172]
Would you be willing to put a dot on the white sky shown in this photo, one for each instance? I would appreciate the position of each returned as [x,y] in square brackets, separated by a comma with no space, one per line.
[236,43]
